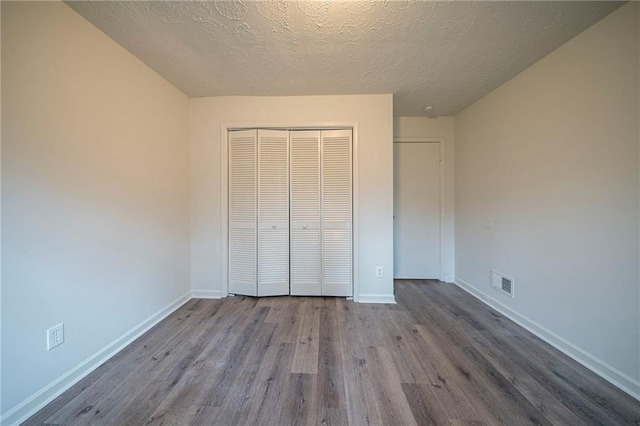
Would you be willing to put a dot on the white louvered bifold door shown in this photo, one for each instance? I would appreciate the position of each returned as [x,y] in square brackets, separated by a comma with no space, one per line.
[273,212]
[242,212]
[336,213]
[305,213]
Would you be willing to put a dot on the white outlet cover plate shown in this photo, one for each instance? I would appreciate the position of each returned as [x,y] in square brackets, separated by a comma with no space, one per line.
[55,336]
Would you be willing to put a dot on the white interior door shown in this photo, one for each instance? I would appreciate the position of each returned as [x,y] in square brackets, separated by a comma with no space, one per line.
[416,205]
[337,202]
[273,212]
[243,268]
[305,213]
[290,212]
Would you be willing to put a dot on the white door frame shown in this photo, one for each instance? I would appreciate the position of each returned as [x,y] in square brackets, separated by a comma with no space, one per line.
[439,141]
[224,193]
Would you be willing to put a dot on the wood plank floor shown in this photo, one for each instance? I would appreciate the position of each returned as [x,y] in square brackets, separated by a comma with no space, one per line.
[437,357]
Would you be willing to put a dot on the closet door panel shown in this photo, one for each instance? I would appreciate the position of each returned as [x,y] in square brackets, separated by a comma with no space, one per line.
[273,212]
[290,212]
[337,205]
[305,213]
[242,213]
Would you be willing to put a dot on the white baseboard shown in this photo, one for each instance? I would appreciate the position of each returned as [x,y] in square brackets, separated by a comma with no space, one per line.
[38,400]
[206,294]
[377,298]
[621,380]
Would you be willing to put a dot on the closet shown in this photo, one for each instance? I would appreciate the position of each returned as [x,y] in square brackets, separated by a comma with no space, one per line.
[290,212]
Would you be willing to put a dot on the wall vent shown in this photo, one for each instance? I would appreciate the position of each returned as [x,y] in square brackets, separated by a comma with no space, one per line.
[503,283]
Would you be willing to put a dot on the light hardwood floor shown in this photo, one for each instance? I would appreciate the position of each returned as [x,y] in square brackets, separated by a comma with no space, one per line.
[437,357]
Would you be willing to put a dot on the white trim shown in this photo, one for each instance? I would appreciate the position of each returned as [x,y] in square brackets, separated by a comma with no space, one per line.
[377,298]
[448,279]
[206,294]
[48,393]
[355,160]
[224,193]
[224,209]
[623,381]
[442,169]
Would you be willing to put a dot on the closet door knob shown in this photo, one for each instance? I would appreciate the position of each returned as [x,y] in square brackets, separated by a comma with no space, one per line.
[304,226]
[273,226]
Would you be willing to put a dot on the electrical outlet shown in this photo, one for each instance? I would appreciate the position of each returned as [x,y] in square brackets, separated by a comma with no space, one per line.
[55,336]
[379,271]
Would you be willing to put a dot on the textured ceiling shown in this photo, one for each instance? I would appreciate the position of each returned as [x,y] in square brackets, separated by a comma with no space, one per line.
[443,54]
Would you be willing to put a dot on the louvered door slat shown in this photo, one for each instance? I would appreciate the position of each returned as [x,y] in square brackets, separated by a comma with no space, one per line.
[273,212]
[305,213]
[336,225]
[242,213]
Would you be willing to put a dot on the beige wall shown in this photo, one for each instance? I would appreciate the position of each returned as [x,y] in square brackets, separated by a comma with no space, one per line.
[552,158]
[372,114]
[95,203]
[437,128]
